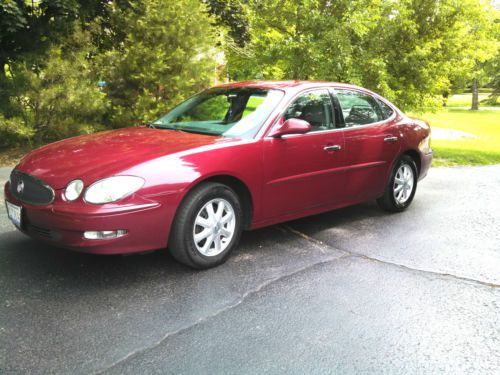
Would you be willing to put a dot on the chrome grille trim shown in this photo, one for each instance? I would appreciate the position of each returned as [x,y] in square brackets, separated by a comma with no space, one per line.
[38,193]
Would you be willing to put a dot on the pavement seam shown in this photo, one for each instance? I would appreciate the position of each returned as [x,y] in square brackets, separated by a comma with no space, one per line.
[324,248]
[316,243]
[399,265]
[238,302]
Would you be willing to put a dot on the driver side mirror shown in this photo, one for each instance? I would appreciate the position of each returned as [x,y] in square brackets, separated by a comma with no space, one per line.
[291,126]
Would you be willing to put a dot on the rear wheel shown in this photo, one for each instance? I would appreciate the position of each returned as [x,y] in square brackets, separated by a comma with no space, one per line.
[207,226]
[401,187]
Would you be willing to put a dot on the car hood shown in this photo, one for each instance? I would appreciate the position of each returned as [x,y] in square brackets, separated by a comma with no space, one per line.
[99,155]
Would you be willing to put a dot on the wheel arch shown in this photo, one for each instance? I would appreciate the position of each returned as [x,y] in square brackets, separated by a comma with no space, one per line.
[239,187]
[414,154]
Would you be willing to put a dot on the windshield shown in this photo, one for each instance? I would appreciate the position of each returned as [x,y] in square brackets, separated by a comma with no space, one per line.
[231,112]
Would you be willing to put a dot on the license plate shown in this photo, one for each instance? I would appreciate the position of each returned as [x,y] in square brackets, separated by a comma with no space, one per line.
[14,213]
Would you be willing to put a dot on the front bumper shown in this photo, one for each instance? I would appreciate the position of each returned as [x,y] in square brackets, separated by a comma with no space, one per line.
[62,224]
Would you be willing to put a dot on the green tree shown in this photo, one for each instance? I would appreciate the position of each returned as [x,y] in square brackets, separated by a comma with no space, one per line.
[55,100]
[406,50]
[167,53]
[492,69]
[483,32]
[485,60]
[230,14]
[28,28]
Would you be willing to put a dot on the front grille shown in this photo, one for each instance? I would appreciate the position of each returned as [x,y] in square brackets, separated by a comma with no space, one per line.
[30,189]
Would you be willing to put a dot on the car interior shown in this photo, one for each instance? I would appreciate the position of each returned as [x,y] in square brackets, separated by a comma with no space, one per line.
[315,110]
[361,115]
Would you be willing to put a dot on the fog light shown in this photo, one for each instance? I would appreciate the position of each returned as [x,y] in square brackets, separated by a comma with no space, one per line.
[104,234]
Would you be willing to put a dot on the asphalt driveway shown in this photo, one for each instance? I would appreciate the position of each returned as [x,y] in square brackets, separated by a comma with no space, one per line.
[355,290]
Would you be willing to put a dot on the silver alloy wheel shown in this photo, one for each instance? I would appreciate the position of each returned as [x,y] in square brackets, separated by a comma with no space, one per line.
[214,227]
[403,184]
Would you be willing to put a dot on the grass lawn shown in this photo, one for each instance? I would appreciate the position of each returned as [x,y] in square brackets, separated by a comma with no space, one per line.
[485,124]
[465,100]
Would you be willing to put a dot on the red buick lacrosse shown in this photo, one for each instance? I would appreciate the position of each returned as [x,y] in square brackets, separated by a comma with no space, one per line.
[235,157]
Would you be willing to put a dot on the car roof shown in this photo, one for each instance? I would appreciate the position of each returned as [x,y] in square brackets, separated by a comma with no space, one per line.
[290,85]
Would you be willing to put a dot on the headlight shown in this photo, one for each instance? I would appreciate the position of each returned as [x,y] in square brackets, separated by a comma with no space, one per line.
[73,190]
[112,189]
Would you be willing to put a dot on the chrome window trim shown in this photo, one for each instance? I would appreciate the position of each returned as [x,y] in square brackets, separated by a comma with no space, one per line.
[335,89]
[331,89]
[383,101]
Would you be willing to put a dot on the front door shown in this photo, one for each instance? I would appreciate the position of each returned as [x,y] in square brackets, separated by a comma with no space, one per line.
[304,171]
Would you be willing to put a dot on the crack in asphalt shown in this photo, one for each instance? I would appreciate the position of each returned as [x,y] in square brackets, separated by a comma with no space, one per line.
[325,249]
[399,265]
[238,302]
[316,243]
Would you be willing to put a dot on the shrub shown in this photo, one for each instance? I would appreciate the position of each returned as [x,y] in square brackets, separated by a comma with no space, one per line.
[167,53]
[55,100]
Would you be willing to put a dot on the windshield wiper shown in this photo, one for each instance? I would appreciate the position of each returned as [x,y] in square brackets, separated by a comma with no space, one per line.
[161,126]
[184,130]
[166,127]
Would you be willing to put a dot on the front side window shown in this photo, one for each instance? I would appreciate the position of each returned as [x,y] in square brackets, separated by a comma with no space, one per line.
[229,112]
[315,107]
[358,108]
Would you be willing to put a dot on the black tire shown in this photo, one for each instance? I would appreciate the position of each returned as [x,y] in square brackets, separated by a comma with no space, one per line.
[388,201]
[182,244]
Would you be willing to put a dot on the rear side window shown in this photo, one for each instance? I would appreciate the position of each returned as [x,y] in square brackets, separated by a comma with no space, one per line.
[358,108]
[386,110]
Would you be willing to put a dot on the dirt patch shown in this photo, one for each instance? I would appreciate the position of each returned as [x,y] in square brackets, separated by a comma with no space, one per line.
[10,157]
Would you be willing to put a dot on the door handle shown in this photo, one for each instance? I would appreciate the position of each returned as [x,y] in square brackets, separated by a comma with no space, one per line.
[332,148]
[390,139]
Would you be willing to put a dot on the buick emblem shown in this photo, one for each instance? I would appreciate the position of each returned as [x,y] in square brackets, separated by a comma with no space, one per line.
[20,187]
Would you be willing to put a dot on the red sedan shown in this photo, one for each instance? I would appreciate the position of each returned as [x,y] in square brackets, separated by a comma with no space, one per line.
[238,156]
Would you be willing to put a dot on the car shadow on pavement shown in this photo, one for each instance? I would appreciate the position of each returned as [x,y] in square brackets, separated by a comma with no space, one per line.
[343,217]
[26,258]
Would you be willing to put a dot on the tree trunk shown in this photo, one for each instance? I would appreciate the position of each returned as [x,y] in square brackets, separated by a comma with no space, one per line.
[2,67]
[475,96]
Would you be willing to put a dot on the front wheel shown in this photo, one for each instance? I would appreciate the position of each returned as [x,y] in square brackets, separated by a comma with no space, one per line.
[207,227]
[401,187]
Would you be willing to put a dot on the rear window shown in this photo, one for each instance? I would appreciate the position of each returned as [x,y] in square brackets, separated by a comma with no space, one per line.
[386,110]
[358,108]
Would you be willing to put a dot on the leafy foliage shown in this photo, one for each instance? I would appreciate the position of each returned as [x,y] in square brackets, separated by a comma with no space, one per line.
[230,13]
[406,50]
[167,54]
[61,101]
[73,66]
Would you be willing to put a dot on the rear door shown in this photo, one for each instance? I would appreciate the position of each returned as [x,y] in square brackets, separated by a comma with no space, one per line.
[371,143]
[304,171]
